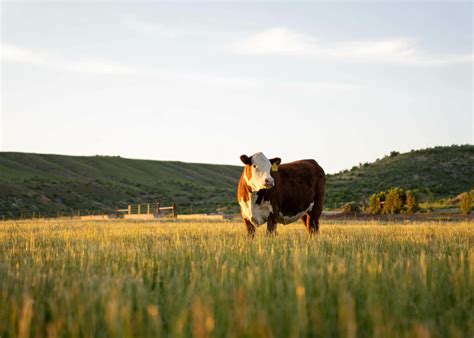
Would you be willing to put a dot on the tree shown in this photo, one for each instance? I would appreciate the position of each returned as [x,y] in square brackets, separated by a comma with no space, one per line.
[394,201]
[375,203]
[466,203]
[374,207]
[411,202]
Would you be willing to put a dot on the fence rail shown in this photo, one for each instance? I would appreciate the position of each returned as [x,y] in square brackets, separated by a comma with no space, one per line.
[147,209]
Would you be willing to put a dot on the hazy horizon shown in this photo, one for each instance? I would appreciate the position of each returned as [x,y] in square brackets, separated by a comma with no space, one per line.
[344,83]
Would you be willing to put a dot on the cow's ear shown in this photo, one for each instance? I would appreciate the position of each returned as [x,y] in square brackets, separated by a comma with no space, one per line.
[275,160]
[246,160]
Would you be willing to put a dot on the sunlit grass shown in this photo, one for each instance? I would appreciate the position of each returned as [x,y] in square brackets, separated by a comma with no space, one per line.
[119,278]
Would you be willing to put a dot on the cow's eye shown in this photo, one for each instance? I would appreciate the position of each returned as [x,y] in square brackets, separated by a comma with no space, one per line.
[255,166]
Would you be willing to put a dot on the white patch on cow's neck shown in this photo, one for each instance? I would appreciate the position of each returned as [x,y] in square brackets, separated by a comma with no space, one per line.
[257,214]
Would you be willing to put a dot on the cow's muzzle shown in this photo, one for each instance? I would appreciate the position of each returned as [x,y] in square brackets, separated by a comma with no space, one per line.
[269,184]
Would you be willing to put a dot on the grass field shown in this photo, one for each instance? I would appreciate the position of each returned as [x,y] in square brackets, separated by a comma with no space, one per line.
[123,279]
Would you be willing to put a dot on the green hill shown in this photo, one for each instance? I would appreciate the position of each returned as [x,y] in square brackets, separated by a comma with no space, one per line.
[51,183]
[435,173]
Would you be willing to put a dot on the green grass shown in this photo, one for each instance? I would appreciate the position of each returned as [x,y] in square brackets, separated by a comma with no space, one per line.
[166,279]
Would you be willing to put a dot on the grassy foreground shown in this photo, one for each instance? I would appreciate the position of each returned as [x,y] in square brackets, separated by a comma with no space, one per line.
[123,279]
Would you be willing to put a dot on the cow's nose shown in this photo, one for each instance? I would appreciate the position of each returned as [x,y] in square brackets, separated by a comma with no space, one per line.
[269,181]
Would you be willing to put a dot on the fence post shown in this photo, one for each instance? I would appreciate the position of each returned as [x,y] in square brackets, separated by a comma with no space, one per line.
[174,209]
[129,209]
[148,208]
[158,208]
[138,212]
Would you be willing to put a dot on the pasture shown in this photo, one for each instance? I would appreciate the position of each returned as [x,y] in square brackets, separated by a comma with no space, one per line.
[184,278]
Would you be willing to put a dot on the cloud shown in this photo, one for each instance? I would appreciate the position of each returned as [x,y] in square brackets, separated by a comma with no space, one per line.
[55,61]
[283,41]
[10,53]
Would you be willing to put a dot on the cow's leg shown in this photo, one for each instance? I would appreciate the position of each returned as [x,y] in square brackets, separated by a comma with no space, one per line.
[315,214]
[306,221]
[250,228]
[311,224]
[271,225]
[303,219]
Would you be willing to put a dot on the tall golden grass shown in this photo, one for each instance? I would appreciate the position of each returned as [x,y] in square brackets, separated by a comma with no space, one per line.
[207,279]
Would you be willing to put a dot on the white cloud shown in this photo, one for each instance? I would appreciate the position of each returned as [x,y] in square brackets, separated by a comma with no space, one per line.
[276,41]
[56,61]
[283,41]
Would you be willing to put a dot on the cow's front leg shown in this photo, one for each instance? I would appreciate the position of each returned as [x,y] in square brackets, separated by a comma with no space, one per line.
[250,228]
[271,225]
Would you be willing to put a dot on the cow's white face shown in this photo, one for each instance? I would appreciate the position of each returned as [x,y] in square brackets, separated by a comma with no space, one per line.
[257,171]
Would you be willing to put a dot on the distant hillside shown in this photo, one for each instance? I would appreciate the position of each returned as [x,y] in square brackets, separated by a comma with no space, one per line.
[436,173]
[50,183]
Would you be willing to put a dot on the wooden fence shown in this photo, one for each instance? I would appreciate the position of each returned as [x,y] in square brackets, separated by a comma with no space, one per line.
[154,210]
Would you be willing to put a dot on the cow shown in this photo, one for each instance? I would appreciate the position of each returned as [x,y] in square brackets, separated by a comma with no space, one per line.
[271,192]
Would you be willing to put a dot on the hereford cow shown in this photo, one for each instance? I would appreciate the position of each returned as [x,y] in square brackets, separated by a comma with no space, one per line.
[272,193]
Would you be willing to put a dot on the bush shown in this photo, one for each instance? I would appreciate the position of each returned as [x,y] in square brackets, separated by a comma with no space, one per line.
[374,207]
[411,202]
[394,201]
[375,203]
[350,208]
[466,203]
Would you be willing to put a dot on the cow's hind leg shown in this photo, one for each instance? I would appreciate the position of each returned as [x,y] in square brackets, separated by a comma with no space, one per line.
[307,222]
[313,228]
[313,217]
[311,224]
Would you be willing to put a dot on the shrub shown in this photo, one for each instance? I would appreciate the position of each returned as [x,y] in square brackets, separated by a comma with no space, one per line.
[394,201]
[375,203]
[374,207]
[466,203]
[350,208]
[411,202]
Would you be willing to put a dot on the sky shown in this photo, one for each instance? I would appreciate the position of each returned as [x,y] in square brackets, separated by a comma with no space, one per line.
[342,82]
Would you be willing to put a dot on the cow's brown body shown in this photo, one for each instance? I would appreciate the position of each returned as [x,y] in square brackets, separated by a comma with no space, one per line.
[298,193]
